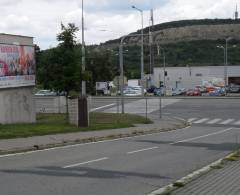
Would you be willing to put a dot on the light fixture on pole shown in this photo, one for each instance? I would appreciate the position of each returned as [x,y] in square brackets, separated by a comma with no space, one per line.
[83,55]
[121,66]
[225,49]
[164,67]
[142,58]
[225,68]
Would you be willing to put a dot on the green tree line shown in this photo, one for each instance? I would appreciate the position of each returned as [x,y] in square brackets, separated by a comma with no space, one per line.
[59,68]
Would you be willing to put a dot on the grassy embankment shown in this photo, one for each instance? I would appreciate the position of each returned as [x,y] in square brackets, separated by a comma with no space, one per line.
[56,123]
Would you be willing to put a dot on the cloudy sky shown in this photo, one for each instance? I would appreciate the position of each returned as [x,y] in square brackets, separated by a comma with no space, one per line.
[105,19]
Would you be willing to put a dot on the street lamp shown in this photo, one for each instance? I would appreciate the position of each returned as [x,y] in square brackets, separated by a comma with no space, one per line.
[164,67]
[142,59]
[83,55]
[121,66]
[225,50]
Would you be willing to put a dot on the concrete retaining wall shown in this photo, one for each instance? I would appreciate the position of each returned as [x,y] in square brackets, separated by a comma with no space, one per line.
[17,106]
[73,111]
[50,104]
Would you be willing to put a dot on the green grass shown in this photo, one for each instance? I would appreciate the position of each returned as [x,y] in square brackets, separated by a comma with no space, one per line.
[56,123]
[234,156]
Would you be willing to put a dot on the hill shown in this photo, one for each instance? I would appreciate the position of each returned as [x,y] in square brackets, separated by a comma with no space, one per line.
[187,30]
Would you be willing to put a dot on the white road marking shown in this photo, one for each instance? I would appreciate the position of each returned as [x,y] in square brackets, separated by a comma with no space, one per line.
[226,121]
[201,120]
[237,123]
[179,118]
[199,137]
[84,163]
[191,119]
[145,149]
[214,121]
[106,106]
[84,144]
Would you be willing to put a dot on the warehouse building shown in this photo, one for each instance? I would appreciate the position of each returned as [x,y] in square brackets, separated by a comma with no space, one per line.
[189,77]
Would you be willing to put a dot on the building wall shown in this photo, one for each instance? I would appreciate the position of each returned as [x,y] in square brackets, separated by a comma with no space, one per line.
[189,77]
[15,39]
[50,104]
[17,106]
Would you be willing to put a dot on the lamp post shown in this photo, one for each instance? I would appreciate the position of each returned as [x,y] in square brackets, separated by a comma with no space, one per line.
[121,66]
[225,49]
[164,67]
[142,59]
[83,55]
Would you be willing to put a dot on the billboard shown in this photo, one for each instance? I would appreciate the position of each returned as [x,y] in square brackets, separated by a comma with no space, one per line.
[17,66]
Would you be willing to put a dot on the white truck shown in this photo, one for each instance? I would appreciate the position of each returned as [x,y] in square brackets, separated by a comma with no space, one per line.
[103,88]
[133,82]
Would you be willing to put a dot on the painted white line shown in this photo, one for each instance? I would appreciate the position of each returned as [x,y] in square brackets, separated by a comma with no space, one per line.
[84,163]
[106,106]
[199,137]
[90,143]
[142,150]
[214,121]
[201,120]
[226,121]
[179,118]
[237,123]
[191,120]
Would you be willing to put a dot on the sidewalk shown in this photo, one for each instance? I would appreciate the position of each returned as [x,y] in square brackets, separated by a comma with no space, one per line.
[224,181]
[41,142]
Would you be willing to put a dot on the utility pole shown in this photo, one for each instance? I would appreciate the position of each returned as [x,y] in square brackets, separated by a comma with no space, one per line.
[150,44]
[83,55]
[142,52]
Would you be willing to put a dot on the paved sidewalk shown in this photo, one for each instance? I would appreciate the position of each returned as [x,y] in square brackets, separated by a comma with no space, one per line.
[39,142]
[224,181]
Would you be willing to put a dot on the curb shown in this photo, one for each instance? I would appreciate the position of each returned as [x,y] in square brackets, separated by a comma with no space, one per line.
[91,140]
[190,177]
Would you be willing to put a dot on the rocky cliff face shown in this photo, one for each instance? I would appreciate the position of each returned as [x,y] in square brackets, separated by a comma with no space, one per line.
[193,33]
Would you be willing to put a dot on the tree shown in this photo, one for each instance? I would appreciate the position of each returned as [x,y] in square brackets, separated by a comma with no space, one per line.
[65,62]
[59,68]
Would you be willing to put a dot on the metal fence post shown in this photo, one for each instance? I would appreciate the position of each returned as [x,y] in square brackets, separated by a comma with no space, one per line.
[160,107]
[146,109]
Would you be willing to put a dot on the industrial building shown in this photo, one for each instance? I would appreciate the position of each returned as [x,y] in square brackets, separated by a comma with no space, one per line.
[191,76]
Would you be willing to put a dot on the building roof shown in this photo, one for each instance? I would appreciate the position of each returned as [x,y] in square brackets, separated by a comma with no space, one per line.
[16,35]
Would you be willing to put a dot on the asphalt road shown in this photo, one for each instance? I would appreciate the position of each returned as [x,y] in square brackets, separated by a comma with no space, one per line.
[127,166]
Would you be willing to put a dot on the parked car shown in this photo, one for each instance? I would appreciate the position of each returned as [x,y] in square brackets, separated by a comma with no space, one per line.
[45,92]
[132,93]
[158,91]
[178,91]
[202,89]
[193,92]
[151,89]
[217,92]
[233,88]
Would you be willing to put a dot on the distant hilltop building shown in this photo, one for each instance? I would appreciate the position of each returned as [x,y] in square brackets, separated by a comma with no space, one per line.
[236,13]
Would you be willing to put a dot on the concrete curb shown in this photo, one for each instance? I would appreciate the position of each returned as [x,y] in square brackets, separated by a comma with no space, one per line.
[184,180]
[92,139]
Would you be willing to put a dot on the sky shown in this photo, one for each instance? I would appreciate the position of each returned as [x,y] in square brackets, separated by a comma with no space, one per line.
[104,19]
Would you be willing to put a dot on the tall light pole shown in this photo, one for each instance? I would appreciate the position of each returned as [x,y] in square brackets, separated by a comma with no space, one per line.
[226,62]
[164,67]
[121,66]
[142,58]
[225,49]
[83,55]
[225,69]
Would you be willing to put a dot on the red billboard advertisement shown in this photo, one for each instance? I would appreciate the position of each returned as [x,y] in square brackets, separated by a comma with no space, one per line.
[17,66]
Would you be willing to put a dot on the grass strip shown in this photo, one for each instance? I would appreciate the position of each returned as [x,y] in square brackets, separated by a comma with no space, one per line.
[56,123]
